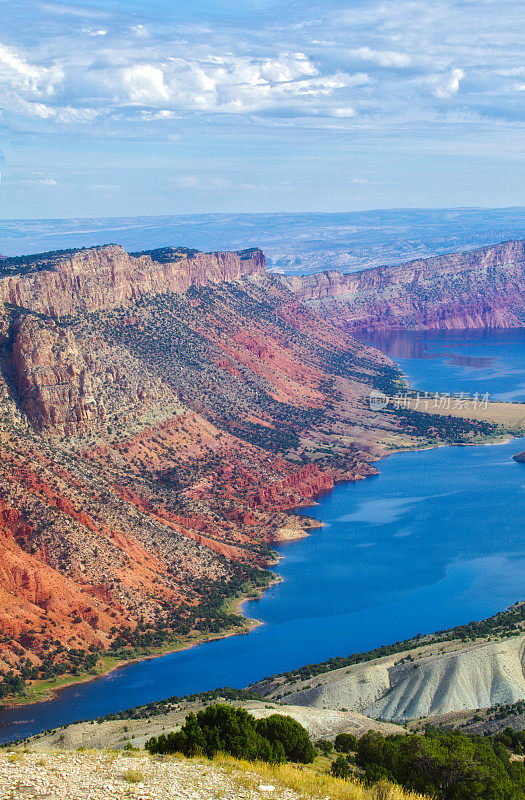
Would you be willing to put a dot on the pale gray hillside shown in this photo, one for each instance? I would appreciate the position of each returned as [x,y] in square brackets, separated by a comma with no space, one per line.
[425,682]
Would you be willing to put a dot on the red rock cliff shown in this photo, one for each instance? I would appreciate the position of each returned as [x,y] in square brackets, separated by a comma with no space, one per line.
[106,277]
[482,288]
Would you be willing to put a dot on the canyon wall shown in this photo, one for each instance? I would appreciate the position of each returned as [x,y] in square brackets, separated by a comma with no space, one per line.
[482,288]
[96,278]
[151,451]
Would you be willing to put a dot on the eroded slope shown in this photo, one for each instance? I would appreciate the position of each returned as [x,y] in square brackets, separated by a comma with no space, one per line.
[471,667]
[151,450]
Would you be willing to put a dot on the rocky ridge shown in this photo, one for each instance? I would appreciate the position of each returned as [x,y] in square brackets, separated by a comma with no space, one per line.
[67,283]
[483,288]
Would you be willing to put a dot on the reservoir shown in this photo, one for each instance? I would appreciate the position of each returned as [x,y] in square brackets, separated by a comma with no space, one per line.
[434,541]
[471,362]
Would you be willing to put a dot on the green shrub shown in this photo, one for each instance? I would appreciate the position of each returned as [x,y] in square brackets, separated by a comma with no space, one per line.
[324,746]
[346,743]
[340,768]
[445,764]
[222,728]
[293,737]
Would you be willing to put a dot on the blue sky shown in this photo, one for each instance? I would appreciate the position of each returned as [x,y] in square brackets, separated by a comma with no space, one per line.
[122,108]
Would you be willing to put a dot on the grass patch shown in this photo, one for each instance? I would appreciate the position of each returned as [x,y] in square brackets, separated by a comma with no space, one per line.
[509,416]
[309,783]
[132,776]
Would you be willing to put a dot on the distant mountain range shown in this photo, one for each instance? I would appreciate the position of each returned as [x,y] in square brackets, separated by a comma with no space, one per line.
[293,243]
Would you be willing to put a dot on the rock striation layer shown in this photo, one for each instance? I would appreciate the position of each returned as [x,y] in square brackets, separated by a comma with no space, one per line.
[482,288]
[96,278]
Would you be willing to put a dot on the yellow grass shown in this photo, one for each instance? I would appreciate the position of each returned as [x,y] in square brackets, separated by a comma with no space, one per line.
[308,783]
[132,776]
[508,415]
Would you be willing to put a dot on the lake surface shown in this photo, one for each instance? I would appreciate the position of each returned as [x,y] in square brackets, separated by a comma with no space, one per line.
[460,361]
[435,540]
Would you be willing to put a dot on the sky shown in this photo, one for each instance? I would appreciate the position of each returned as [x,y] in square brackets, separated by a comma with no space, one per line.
[128,107]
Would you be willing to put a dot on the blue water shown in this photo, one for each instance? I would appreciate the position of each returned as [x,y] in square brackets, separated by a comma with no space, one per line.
[460,361]
[435,540]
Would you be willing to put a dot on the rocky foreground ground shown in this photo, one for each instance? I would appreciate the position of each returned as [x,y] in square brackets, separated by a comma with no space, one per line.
[105,775]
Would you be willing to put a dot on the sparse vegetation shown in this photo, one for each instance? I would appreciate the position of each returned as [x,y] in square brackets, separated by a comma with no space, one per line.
[132,776]
[314,784]
[87,773]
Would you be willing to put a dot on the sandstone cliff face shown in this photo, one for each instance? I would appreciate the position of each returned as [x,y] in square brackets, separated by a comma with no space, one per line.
[53,377]
[106,277]
[482,288]
[66,382]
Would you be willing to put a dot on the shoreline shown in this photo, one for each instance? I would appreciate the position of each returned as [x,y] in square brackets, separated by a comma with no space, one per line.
[234,605]
[295,528]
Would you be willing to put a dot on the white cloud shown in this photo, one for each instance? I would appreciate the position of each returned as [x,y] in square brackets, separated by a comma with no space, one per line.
[447,85]
[229,84]
[288,67]
[342,112]
[385,58]
[288,74]
[143,84]
[139,30]
[212,184]
[163,113]
[69,10]
[39,179]
[16,72]
[26,108]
